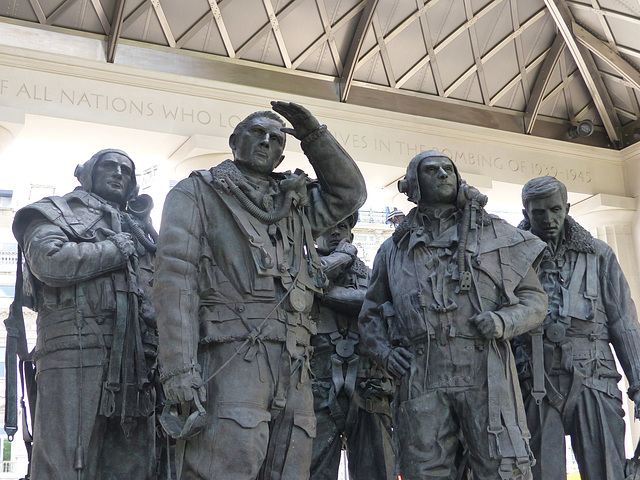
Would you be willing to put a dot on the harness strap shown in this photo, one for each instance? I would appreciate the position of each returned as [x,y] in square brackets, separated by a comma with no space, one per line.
[335,411]
[337,379]
[112,383]
[509,444]
[577,386]
[574,285]
[538,391]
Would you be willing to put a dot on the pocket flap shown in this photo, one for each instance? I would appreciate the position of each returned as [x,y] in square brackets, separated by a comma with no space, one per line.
[246,417]
[306,421]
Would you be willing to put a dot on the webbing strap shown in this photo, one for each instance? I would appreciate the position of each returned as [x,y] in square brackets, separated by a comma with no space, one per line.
[577,385]
[508,439]
[591,290]
[112,383]
[578,274]
[538,391]
[336,373]
[352,375]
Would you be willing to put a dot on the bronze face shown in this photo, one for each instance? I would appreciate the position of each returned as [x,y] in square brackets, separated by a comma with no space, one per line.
[331,238]
[111,177]
[546,216]
[259,146]
[437,180]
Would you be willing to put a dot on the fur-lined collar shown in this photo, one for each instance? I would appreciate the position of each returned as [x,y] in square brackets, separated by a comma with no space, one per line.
[405,226]
[577,237]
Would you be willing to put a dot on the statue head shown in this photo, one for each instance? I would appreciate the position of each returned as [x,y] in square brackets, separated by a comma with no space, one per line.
[329,240]
[545,207]
[109,174]
[257,142]
[431,179]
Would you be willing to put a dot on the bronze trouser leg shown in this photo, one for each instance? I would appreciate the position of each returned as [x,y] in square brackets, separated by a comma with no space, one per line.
[547,440]
[597,436]
[326,448]
[370,448]
[108,454]
[234,442]
[427,429]
[57,419]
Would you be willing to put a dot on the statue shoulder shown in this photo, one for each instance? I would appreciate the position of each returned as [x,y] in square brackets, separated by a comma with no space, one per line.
[525,248]
[45,208]
[71,212]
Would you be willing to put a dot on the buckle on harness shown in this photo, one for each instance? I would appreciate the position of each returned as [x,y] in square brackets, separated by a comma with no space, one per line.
[496,433]
[109,390]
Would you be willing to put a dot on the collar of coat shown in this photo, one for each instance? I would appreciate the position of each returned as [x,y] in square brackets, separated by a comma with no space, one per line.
[228,169]
[577,237]
[482,218]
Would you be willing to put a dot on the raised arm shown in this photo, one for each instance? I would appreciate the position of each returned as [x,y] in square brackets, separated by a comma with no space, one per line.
[340,190]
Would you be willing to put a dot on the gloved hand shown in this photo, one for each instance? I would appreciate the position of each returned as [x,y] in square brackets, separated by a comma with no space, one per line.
[124,242]
[636,401]
[345,246]
[181,388]
[489,324]
[398,361]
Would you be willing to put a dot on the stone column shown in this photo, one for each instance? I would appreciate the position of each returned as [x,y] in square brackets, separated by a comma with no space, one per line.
[612,219]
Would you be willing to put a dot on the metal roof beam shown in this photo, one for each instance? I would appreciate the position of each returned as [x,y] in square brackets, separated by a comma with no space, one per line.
[607,55]
[602,16]
[222,28]
[37,9]
[563,85]
[255,38]
[604,11]
[202,22]
[277,33]
[102,16]
[563,18]
[477,54]
[324,37]
[349,70]
[514,81]
[114,32]
[164,23]
[431,54]
[328,32]
[191,32]
[505,41]
[136,14]
[520,57]
[438,48]
[63,7]
[384,53]
[399,29]
[542,81]
[566,92]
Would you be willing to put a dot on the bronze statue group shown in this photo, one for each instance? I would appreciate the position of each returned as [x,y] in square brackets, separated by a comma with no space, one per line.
[248,341]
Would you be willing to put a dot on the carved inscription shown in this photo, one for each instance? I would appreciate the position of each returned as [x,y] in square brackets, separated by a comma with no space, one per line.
[198,114]
[120,104]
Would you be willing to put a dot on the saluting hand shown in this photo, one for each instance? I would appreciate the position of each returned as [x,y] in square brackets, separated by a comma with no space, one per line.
[300,118]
